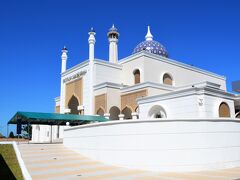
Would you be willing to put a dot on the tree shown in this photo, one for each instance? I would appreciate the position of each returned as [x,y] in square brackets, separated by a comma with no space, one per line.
[27,130]
[11,135]
[1,136]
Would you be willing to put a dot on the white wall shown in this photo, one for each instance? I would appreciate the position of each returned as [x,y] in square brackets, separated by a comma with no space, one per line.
[44,135]
[155,69]
[106,72]
[188,106]
[179,107]
[160,145]
[129,67]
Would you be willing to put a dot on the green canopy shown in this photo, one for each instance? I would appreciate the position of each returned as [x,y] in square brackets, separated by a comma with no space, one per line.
[54,118]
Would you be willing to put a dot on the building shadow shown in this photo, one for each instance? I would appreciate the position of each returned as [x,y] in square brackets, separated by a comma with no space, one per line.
[5,171]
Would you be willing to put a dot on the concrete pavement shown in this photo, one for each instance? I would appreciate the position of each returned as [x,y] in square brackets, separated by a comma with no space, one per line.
[54,161]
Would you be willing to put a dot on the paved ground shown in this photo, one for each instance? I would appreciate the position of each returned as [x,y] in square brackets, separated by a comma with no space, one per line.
[54,161]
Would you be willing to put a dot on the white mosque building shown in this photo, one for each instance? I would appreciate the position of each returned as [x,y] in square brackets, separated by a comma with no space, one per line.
[146,84]
[158,98]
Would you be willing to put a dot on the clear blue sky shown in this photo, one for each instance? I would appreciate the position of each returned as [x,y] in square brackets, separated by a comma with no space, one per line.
[201,33]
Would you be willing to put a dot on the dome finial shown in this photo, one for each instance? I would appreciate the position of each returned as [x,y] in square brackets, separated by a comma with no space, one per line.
[149,36]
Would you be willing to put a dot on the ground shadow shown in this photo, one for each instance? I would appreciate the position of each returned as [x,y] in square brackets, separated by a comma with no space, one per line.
[5,171]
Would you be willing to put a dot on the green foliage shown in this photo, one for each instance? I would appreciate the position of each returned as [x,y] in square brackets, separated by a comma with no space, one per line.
[1,136]
[27,131]
[11,135]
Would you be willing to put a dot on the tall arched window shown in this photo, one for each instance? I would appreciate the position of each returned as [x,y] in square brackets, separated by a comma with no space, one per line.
[167,79]
[100,112]
[136,74]
[224,110]
[73,105]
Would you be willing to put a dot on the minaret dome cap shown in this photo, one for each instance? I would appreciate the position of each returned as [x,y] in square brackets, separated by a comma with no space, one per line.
[113,30]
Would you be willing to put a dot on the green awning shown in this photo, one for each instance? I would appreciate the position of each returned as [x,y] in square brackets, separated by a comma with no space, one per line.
[54,118]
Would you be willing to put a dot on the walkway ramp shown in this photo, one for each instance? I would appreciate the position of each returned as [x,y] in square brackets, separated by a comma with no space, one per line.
[54,161]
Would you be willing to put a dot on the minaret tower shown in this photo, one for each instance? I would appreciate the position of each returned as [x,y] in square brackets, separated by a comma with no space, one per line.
[64,59]
[91,42]
[113,44]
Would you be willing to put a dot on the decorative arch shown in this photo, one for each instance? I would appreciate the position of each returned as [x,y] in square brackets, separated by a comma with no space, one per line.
[114,112]
[73,105]
[137,109]
[137,76]
[127,113]
[224,110]
[167,79]
[100,111]
[238,115]
[157,111]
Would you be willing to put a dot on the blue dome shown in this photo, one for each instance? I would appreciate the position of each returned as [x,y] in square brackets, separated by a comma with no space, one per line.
[152,47]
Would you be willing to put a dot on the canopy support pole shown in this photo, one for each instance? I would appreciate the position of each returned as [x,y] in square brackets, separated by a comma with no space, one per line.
[51,135]
[28,133]
[7,130]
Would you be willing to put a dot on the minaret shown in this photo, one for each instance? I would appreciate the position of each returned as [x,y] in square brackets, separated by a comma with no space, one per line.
[113,44]
[91,42]
[64,59]
[149,36]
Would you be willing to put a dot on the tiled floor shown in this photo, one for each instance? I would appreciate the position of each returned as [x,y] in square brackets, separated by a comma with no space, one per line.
[54,161]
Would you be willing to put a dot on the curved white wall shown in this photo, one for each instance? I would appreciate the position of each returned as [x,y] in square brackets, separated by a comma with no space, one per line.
[160,145]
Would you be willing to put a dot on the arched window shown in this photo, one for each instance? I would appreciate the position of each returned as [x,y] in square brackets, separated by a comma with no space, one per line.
[136,74]
[224,110]
[73,105]
[157,112]
[114,112]
[127,113]
[100,112]
[167,79]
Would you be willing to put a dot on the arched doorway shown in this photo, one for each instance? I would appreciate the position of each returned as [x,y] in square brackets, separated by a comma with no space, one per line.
[167,79]
[224,110]
[127,113]
[100,112]
[114,112]
[157,112]
[73,105]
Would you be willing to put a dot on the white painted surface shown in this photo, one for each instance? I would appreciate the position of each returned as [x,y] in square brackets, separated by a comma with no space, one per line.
[64,60]
[46,133]
[107,72]
[160,145]
[199,102]
[154,66]
[23,168]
